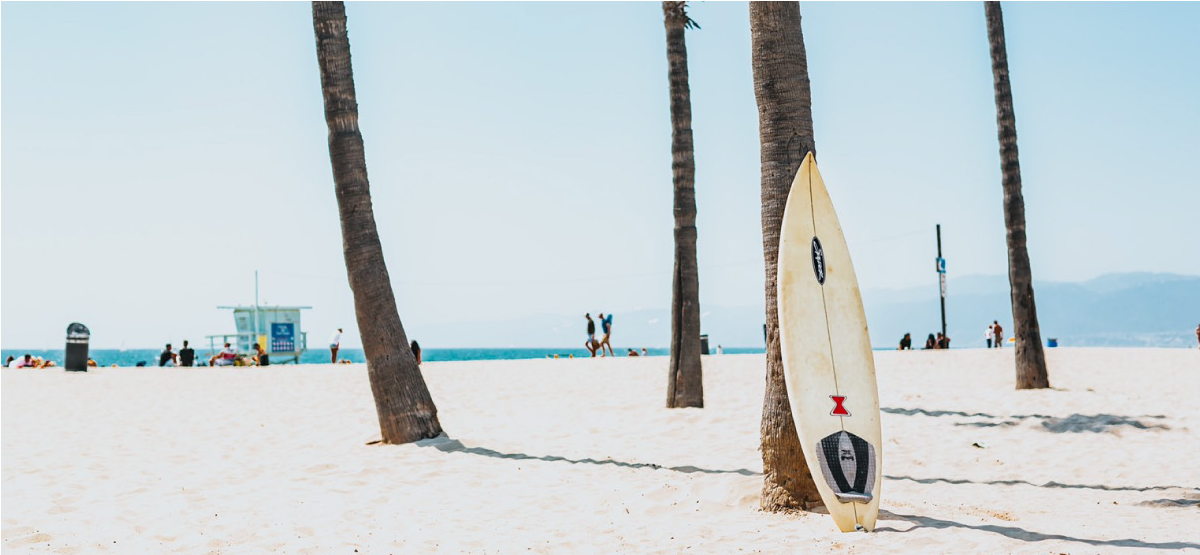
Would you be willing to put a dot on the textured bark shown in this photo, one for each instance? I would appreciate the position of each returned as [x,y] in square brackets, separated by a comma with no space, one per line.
[685,386]
[1030,360]
[785,130]
[402,401]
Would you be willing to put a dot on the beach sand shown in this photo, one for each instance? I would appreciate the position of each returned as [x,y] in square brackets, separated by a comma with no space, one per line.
[579,456]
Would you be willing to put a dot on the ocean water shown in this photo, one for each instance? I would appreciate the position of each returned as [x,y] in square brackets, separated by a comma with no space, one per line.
[130,357]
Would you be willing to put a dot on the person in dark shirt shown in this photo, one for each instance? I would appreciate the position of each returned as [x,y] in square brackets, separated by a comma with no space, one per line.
[416,350]
[167,357]
[906,343]
[591,343]
[187,355]
[943,341]
[930,343]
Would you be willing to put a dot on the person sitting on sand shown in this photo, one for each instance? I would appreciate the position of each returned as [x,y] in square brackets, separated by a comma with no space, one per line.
[416,351]
[261,358]
[167,357]
[943,341]
[905,343]
[92,363]
[644,353]
[631,353]
[25,362]
[930,342]
[227,357]
[187,355]
[9,363]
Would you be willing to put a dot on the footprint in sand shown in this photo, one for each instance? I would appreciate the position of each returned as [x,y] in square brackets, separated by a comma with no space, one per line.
[29,540]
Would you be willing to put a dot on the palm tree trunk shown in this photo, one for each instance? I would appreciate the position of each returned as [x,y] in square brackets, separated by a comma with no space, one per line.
[1030,360]
[402,401]
[785,130]
[685,387]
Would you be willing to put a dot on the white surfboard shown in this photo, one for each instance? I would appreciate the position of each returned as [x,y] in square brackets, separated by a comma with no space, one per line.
[828,366]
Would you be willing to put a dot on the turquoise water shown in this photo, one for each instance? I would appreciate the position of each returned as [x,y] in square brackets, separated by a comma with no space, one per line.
[130,357]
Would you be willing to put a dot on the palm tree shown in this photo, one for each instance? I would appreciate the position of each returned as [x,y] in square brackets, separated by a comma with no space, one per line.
[785,131]
[402,401]
[1031,361]
[685,387]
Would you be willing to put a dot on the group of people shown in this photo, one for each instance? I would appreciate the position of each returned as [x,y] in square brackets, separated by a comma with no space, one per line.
[227,356]
[28,361]
[994,337]
[940,341]
[592,344]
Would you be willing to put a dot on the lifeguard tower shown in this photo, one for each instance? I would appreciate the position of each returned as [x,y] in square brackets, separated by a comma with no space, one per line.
[276,328]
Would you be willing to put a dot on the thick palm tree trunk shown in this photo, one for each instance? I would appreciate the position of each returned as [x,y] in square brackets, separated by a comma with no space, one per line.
[1031,361]
[402,401]
[785,130]
[685,387]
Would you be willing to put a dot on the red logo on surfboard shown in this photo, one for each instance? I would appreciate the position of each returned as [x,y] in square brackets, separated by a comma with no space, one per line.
[838,408]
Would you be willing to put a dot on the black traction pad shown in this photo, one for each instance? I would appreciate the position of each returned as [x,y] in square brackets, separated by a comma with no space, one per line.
[848,463]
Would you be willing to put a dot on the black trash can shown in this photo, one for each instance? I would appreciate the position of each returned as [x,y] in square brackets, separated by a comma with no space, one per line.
[704,344]
[77,347]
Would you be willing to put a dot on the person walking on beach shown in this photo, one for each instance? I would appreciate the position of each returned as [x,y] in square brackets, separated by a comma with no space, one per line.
[905,343]
[187,355]
[591,344]
[335,343]
[999,333]
[991,332]
[606,327]
[167,357]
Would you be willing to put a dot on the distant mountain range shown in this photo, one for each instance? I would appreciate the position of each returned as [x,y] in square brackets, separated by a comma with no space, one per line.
[1128,309]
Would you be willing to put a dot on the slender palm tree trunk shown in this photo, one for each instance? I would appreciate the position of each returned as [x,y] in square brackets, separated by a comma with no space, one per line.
[785,130]
[1030,360]
[685,386]
[402,401]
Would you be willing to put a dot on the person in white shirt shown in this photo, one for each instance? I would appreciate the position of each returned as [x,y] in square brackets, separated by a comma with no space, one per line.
[991,332]
[335,342]
[227,357]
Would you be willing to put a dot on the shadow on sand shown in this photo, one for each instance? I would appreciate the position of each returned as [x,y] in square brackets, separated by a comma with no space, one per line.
[446,444]
[1076,423]
[1027,483]
[1029,536]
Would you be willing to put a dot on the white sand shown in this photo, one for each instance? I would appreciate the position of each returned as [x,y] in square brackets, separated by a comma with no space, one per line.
[578,456]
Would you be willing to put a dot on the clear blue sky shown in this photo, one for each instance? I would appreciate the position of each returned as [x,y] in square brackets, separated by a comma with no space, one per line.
[155,154]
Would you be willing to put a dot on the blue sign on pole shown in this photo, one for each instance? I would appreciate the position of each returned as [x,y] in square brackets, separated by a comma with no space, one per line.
[941,265]
[283,337]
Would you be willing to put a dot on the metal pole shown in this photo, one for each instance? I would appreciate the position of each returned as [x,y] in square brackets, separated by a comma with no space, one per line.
[254,339]
[941,278]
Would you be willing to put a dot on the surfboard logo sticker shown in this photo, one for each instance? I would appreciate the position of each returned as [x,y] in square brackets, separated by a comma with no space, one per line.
[818,257]
[838,408]
[848,464]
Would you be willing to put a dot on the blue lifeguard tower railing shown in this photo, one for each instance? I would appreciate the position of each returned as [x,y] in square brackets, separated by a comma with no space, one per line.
[276,328]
